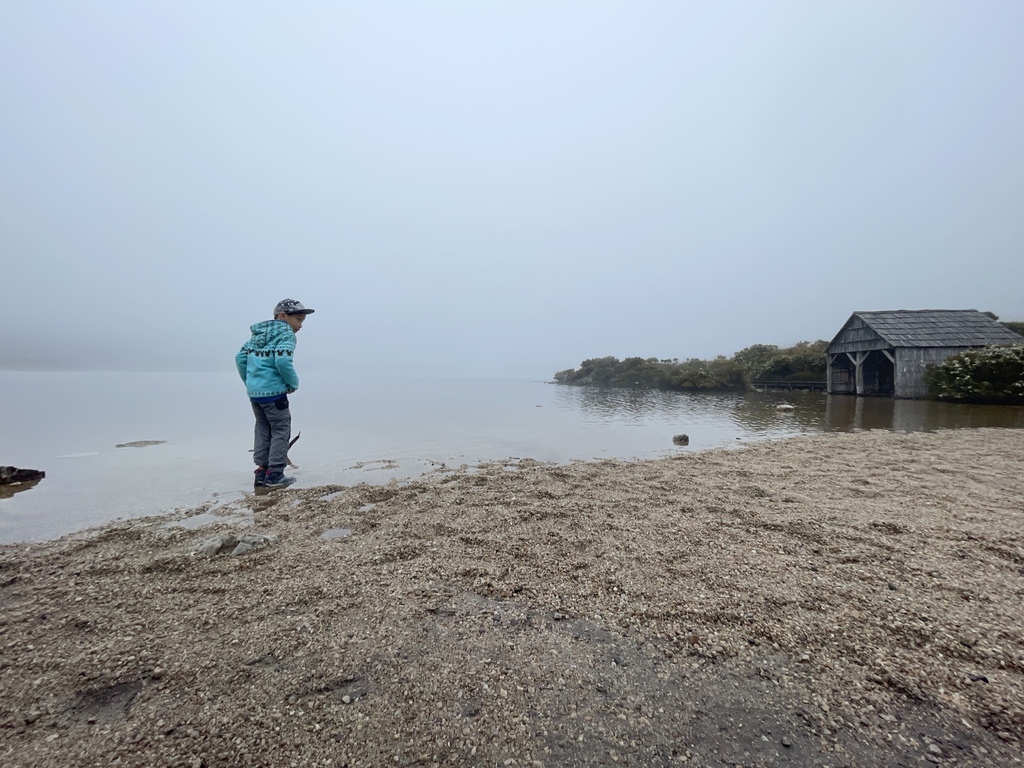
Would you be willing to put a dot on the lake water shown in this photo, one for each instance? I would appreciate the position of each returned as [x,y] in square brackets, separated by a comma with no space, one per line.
[367,430]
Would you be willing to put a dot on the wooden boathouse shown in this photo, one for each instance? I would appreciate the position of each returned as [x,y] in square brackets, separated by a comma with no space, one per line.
[885,353]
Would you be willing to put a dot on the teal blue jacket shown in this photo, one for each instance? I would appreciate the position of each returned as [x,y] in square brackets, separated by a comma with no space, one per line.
[265,361]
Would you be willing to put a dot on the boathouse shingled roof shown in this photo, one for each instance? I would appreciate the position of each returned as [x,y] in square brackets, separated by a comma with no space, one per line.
[938,328]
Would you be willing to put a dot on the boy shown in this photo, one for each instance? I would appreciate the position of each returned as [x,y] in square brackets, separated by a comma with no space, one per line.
[265,365]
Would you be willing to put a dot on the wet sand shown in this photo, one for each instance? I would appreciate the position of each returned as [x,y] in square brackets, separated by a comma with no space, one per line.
[842,599]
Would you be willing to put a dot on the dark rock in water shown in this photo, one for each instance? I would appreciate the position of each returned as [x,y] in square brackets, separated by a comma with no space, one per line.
[681,439]
[10,475]
[140,443]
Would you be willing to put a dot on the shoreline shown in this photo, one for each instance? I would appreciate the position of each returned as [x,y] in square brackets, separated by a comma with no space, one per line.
[841,598]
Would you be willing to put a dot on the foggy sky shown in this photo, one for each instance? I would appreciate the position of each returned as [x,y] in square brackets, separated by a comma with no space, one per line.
[499,188]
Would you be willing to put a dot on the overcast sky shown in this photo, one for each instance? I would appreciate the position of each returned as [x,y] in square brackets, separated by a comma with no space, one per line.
[500,188]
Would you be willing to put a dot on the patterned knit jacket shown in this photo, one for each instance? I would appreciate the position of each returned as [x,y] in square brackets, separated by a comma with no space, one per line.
[265,362]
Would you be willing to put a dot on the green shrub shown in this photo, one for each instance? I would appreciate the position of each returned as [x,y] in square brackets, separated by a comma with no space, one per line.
[756,359]
[803,362]
[983,375]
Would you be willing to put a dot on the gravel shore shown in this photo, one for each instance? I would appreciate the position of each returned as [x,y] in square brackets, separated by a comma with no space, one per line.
[835,600]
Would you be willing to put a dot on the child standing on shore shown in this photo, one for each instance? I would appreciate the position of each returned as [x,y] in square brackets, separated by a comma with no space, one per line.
[265,365]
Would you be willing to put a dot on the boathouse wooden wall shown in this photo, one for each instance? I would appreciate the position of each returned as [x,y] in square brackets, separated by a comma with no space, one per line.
[856,336]
[910,365]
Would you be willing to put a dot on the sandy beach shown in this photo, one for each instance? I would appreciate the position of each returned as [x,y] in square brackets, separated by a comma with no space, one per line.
[836,600]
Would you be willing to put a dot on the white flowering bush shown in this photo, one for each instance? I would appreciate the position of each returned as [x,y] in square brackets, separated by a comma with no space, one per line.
[982,375]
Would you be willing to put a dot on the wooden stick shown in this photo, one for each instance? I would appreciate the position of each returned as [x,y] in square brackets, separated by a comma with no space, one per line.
[293,441]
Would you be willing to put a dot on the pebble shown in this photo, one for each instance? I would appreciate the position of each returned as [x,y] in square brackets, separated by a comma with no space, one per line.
[786,742]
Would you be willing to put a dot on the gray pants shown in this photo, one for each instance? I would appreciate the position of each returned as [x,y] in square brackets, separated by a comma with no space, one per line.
[273,432]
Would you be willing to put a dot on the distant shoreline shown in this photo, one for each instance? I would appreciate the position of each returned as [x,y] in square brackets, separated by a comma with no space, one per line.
[21,364]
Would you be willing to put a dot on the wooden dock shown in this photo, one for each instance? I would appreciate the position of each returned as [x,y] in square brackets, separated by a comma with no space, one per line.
[789,386]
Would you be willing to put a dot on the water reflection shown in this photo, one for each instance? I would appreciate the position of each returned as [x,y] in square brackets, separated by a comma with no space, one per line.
[845,413]
[7,491]
[602,403]
[759,414]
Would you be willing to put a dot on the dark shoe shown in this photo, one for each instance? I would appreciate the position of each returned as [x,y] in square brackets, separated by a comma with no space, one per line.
[277,479]
[261,477]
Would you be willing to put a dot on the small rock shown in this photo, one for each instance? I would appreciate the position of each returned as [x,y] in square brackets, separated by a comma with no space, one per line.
[215,544]
[893,586]
[786,742]
[250,542]
[346,699]
[243,548]
[681,439]
[935,749]
[11,475]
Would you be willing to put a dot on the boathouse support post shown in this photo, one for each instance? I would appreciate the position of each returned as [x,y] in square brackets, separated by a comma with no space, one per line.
[858,358]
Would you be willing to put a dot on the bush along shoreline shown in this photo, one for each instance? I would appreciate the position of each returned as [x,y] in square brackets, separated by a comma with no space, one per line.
[804,361]
[993,375]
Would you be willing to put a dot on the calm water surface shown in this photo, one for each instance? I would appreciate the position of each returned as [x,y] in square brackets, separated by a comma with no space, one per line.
[367,430]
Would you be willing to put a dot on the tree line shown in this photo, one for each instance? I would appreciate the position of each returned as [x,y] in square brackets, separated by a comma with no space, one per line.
[804,361]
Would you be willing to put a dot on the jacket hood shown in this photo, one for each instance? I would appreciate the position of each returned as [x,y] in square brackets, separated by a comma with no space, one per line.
[270,334]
